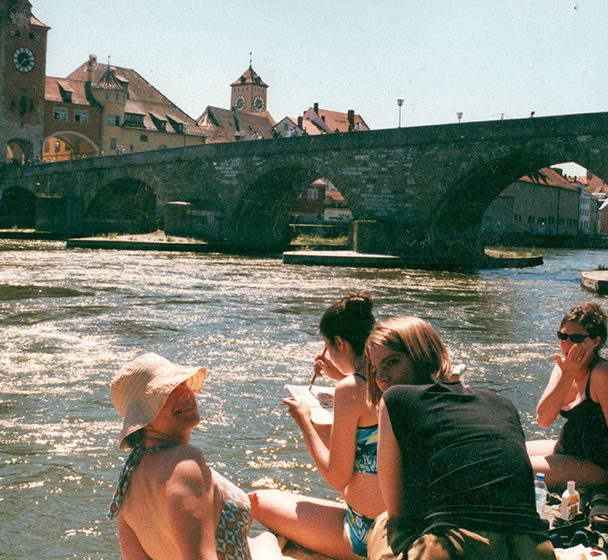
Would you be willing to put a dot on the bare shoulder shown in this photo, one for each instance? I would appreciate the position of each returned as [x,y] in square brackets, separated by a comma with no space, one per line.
[350,392]
[600,372]
[188,471]
[599,380]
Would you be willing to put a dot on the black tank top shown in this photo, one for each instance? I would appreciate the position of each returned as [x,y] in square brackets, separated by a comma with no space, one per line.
[585,433]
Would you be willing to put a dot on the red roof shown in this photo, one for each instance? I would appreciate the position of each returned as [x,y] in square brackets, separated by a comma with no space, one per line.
[53,90]
[143,97]
[595,184]
[549,177]
[249,77]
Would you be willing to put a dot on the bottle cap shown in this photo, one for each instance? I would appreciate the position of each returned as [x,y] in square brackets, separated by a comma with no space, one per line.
[540,476]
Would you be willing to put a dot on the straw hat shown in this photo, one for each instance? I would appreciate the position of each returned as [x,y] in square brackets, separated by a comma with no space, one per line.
[140,389]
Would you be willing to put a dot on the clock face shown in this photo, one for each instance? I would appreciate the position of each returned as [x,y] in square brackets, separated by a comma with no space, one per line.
[240,103]
[258,103]
[23,59]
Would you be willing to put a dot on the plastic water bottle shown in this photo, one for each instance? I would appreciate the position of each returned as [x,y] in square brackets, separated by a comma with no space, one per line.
[571,503]
[540,492]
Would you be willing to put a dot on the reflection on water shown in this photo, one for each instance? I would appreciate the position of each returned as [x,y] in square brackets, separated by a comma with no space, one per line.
[71,318]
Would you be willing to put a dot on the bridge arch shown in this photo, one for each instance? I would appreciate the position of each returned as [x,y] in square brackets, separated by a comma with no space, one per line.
[262,212]
[125,205]
[19,151]
[462,207]
[17,208]
[76,146]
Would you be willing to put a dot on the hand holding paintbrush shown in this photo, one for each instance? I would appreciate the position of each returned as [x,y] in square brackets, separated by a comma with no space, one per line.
[317,368]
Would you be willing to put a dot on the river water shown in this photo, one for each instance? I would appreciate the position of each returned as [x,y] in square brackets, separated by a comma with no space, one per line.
[70,318]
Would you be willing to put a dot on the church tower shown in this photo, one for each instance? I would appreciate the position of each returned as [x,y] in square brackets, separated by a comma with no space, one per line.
[22,76]
[249,93]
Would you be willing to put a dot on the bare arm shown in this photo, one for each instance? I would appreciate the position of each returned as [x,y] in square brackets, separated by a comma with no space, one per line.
[130,546]
[389,465]
[336,462]
[599,387]
[565,372]
[190,509]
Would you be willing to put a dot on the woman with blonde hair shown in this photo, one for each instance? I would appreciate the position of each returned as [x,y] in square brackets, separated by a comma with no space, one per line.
[452,462]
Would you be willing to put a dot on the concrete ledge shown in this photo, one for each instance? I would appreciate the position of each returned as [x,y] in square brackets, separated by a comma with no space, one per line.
[341,258]
[595,281]
[29,235]
[500,258]
[138,245]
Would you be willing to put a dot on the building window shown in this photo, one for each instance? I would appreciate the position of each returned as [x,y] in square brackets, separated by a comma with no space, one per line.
[112,143]
[162,146]
[113,120]
[81,116]
[117,97]
[107,95]
[143,138]
[46,147]
[60,114]
[57,146]
[551,220]
[134,119]
[530,219]
[517,218]
[312,194]
[131,148]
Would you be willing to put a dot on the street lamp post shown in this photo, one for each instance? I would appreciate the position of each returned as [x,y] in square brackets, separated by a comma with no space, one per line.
[459,116]
[400,103]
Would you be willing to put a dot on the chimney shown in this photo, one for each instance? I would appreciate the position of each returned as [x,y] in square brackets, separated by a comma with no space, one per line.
[316,108]
[351,119]
[92,62]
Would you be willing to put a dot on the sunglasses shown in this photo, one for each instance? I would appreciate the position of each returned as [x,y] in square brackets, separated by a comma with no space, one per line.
[576,338]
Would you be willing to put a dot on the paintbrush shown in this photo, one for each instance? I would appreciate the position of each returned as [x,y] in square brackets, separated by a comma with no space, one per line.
[316,369]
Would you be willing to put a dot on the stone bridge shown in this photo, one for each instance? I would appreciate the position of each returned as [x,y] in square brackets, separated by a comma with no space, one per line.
[417,192]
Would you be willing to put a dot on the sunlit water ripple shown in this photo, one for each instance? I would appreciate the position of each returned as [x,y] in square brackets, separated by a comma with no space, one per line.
[70,318]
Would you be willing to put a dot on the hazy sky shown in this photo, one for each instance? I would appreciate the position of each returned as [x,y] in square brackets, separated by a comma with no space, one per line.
[482,57]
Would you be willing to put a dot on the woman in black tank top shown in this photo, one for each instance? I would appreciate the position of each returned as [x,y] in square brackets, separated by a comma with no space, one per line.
[577,391]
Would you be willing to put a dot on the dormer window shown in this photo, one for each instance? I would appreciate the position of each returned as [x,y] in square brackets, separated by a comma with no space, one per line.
[160,124]
[134,119]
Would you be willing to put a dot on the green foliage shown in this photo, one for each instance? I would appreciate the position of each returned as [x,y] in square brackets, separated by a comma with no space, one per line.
[308,239]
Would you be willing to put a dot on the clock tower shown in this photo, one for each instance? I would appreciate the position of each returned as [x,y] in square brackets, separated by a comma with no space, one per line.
[249,93]
[22,77]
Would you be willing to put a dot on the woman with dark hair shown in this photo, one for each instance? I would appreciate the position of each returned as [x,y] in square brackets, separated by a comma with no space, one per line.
[452,462]
[578,391]
[348,462]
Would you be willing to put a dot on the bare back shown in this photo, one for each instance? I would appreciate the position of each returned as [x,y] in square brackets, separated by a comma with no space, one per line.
[362,492]
[174,504]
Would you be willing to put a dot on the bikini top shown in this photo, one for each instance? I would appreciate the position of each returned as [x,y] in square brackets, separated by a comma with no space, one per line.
[366,449]
[233,526]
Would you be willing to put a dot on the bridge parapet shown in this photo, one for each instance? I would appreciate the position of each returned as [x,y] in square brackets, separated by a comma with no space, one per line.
[410,188]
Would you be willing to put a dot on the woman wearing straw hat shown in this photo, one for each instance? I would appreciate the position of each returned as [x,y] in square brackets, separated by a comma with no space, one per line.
[168,502]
